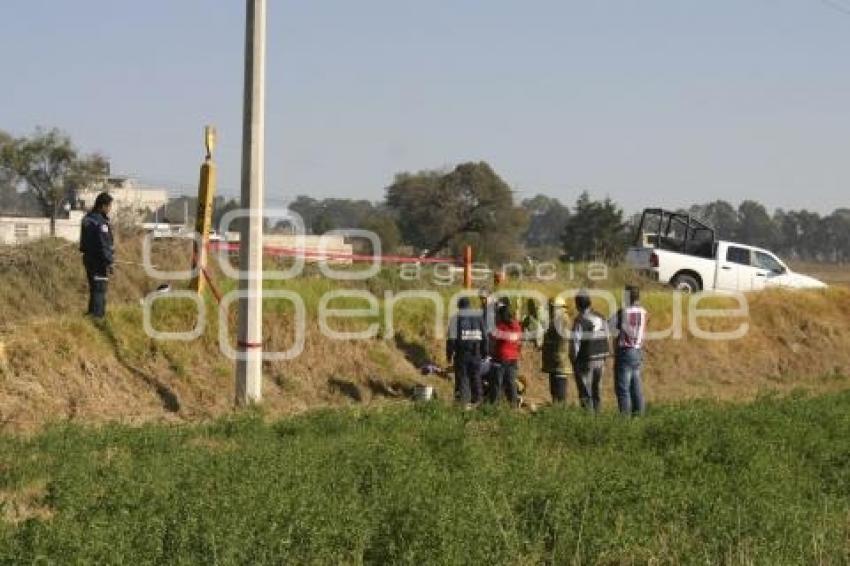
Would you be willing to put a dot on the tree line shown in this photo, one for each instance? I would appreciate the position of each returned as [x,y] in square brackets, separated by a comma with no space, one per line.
[440,211]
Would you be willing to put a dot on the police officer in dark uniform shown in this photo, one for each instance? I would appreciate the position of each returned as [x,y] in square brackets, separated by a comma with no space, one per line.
[97,247]
[466,346]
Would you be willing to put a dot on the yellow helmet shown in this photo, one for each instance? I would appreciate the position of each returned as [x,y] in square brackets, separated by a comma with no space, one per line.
[558,302]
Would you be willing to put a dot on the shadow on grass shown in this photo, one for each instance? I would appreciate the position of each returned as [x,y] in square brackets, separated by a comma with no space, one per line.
[168,398]
[347,388]
[392,390]
[416,354]
[377,387]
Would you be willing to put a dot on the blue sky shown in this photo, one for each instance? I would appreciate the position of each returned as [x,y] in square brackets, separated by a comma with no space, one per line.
[653,102]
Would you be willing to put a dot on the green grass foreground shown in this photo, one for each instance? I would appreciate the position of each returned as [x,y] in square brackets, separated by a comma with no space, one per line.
[767,483]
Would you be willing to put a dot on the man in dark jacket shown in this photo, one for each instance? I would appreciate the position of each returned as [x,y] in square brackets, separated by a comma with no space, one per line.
[588,350]
[466,346]
[97,247]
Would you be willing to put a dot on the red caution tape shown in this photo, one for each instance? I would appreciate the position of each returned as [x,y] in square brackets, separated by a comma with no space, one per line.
[319,255]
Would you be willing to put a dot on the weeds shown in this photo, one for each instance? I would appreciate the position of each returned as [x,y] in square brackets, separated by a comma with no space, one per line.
[765,483]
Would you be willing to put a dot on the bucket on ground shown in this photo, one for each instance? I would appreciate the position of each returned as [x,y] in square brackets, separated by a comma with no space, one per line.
[423,393]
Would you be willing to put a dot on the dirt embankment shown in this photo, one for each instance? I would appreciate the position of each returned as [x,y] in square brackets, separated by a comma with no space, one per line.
[57,365]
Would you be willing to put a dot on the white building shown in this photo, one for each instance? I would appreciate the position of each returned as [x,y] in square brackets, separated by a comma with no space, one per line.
[132,201]
[324,248]
[21,229]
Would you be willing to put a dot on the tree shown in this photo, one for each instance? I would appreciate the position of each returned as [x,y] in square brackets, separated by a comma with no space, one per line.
[470,205]
[8,192]
[595,230]
[787,233]
[547,219]
[319,216]
[50,168]
[835,236]
[386,229]
[755,227]
[720,215]
[322,223]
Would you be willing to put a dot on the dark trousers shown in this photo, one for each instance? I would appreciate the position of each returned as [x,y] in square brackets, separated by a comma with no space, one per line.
[98,283]
[468,379]
[488,373]
[558,387]
[588,376]
[504,379]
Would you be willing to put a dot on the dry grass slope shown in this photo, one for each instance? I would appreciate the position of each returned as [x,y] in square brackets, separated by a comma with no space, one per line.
[57,365]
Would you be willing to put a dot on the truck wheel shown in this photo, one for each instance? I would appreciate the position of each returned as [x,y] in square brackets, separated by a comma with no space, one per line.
[685,283]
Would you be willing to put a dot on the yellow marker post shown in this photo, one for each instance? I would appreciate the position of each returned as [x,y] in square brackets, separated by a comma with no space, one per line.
[203,219]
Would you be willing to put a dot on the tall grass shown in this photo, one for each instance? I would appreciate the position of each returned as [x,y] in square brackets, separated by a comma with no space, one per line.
[763,483]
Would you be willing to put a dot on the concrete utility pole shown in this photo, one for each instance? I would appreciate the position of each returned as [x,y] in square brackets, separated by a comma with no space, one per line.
[250,334]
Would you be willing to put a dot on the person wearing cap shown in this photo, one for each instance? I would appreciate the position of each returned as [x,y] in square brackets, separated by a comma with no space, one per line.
[589,347]
[466,347]
[555,350]
[97,247]
[629,324]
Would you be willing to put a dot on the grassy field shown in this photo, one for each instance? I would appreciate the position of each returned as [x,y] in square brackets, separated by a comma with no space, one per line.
[764,483]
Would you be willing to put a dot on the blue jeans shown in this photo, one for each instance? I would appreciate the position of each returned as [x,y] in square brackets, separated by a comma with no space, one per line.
[504,379]
[628,384]
[588,376]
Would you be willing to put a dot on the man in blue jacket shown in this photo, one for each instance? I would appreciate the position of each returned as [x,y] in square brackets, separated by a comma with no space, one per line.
[466,347]
[97,247]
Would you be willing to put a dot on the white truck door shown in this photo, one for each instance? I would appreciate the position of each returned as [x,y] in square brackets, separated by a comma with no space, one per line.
[734,265]
[751,277]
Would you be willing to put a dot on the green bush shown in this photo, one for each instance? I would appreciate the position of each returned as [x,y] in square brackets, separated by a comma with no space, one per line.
[766,483]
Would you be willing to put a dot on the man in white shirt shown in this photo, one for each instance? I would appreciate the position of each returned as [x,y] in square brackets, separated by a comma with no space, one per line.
[629,323]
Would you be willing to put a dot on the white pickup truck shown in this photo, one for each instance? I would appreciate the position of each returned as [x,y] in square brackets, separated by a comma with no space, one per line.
[679,250]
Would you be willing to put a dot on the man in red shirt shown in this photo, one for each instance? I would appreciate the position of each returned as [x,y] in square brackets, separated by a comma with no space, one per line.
[506,340]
